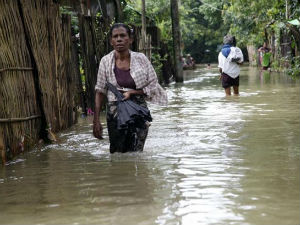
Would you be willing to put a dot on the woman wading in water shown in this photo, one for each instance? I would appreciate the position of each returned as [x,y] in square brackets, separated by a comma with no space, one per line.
[132,74]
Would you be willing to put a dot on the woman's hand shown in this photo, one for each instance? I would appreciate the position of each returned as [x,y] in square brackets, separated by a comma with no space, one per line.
[97,130]
[126,95]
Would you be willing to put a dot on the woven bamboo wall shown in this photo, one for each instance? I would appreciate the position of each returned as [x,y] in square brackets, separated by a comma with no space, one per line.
[88,49]
[37,85]
[80,94]
[17,85]
[50,41]
[39,28]
[62,65]
[71,67]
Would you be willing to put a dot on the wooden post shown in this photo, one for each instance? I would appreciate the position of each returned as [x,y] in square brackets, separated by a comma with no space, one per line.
[143,43]
[119,16]
[176,41]
[286,9]
[102,4]
[83,7]
[88,7]
[89,60]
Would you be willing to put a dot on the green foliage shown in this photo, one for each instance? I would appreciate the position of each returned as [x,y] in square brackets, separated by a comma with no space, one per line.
[165,31]
[276,65]
[132,16]
[249,19]
[202,29]
[205,22]
[74,17]
[65,10]
[156,61]
[294,71]
[157,13]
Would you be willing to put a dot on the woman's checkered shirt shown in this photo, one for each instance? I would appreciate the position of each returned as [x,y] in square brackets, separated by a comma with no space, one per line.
[142,73]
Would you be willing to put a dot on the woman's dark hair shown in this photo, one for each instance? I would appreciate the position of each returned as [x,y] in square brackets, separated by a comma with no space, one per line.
[117,25]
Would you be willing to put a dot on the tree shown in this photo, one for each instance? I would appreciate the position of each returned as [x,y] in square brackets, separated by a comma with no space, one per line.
[176,41]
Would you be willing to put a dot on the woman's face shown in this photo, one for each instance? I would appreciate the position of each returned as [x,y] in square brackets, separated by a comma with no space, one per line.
[120,39]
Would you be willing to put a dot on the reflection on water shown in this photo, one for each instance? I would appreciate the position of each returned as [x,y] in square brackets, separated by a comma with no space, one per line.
[209,159]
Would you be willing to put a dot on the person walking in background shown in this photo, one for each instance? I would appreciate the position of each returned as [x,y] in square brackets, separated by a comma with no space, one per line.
[230,58]
[265,56]
[183,62]
[132,74]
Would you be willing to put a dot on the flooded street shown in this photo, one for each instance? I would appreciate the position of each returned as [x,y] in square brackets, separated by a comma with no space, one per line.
[208,159]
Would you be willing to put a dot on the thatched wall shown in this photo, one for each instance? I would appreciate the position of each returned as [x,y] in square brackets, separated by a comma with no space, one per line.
[80,99]
[90,61]
[17,85]
[94,45]
[39,31]
[67,77]
[51,48]
[36,79]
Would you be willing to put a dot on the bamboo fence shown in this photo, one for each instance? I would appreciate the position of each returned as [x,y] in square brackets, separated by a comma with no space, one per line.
[36,18]
[65,79]
[50,41]
[72,66]
[20,115]
[36,76]
[80,99]
[89,56]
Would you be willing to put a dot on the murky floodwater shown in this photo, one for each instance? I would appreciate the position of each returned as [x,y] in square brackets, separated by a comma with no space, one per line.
[208,160]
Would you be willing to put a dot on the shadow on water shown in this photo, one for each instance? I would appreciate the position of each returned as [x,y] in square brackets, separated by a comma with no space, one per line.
[208,159]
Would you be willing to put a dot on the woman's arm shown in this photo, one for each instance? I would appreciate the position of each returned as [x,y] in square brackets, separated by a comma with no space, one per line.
[151,78]
[150,87]
[127,94]
[99,98]
[97,127]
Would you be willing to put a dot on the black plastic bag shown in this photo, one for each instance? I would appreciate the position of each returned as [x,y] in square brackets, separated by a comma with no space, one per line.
[130,114]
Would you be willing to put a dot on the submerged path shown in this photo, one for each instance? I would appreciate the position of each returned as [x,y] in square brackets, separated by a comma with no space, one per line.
[209,159]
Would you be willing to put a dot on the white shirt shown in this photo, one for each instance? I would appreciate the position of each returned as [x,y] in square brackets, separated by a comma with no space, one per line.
[232,69]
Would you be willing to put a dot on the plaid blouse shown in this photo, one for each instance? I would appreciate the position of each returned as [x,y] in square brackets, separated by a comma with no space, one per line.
[142,73]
